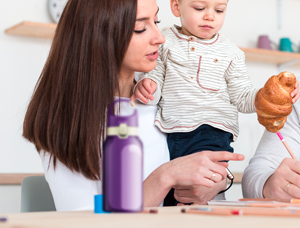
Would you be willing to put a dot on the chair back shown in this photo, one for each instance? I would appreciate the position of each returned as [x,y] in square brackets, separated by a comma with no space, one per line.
[36,195]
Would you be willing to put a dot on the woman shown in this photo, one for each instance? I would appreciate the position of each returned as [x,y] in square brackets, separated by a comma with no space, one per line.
[97,47]
[272,173]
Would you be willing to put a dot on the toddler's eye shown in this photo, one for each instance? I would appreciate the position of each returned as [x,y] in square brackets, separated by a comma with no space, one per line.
[157,22]
[199,9]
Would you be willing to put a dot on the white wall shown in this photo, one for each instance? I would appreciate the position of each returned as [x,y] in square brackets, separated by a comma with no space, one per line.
[10,199]
[22,59]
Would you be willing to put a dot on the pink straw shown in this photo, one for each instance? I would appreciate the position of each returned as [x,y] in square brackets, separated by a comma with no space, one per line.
[286,145]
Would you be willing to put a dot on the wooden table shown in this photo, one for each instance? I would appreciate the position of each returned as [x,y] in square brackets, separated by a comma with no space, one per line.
[166,217]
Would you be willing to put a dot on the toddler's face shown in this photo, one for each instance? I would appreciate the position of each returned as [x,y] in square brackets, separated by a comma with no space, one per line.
[202,18]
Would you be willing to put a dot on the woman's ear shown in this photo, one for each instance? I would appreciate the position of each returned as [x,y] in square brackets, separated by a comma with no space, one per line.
[175,8]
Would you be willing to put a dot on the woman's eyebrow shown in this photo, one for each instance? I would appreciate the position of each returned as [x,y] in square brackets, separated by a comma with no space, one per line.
[146,18]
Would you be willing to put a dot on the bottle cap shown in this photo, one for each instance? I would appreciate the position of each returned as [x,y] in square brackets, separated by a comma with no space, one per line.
[115,121]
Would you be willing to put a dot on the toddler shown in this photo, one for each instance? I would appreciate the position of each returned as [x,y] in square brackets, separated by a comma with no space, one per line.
[200,82]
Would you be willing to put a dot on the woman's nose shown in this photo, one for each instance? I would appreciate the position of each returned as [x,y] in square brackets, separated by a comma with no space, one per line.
[158,37]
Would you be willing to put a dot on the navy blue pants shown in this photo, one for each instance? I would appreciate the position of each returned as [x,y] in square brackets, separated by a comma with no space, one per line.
[203,138]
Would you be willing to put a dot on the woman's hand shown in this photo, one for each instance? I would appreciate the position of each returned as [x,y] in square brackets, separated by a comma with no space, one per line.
[199,195]
[284,183]
[198,168]
[295,94]
[187,174]
[200,176]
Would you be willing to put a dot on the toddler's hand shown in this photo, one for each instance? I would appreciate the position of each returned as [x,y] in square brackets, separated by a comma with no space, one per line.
[295,94]
[144,91]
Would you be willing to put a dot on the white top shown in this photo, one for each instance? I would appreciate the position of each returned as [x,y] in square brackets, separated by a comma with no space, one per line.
[72,191]
[200,82]
[270,153]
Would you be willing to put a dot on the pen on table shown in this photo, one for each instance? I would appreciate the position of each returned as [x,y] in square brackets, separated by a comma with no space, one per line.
[297,201]
[267,212]
[273,204]
[208,211]
[3,219]
[244,211]
[150,211]
[286,145]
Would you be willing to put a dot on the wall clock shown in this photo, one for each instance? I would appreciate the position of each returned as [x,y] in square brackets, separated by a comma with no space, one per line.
[56,8]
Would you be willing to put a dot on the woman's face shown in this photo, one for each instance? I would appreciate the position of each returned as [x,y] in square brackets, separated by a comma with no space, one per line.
[143,48]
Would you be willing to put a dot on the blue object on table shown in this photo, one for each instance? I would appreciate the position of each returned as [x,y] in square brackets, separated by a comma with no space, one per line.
[3,219]
[98,199]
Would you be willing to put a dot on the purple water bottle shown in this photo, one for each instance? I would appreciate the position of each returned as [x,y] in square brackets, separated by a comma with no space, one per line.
[122,164]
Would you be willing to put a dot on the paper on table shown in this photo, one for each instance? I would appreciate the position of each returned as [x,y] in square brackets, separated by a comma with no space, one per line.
[250,203]
[227,203]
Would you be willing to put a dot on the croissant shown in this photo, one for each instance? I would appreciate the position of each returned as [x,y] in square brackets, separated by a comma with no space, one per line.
[273,102]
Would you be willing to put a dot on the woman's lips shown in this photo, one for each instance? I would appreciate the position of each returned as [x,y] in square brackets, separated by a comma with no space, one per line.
[153,56]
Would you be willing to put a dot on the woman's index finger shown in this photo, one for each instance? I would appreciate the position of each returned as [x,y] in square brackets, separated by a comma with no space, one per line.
[225,156]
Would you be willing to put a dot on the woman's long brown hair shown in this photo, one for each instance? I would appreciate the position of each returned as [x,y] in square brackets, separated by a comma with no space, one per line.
[67,112]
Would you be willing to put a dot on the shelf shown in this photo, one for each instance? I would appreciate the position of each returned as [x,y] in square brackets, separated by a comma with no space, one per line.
[15,178]
[271,56]
[47,30]
[33,29]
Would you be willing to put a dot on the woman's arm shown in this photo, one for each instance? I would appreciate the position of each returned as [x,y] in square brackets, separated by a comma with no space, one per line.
[72,191]
[156,186]
[191,171]
[199,195]
[269,155]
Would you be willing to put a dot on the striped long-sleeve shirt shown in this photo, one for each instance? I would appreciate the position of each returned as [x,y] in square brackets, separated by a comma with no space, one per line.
[200,82]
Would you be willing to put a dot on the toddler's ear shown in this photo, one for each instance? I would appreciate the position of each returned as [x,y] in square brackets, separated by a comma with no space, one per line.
[175,8]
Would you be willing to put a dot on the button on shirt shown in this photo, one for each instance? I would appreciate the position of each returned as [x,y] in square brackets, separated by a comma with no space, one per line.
[200,82]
